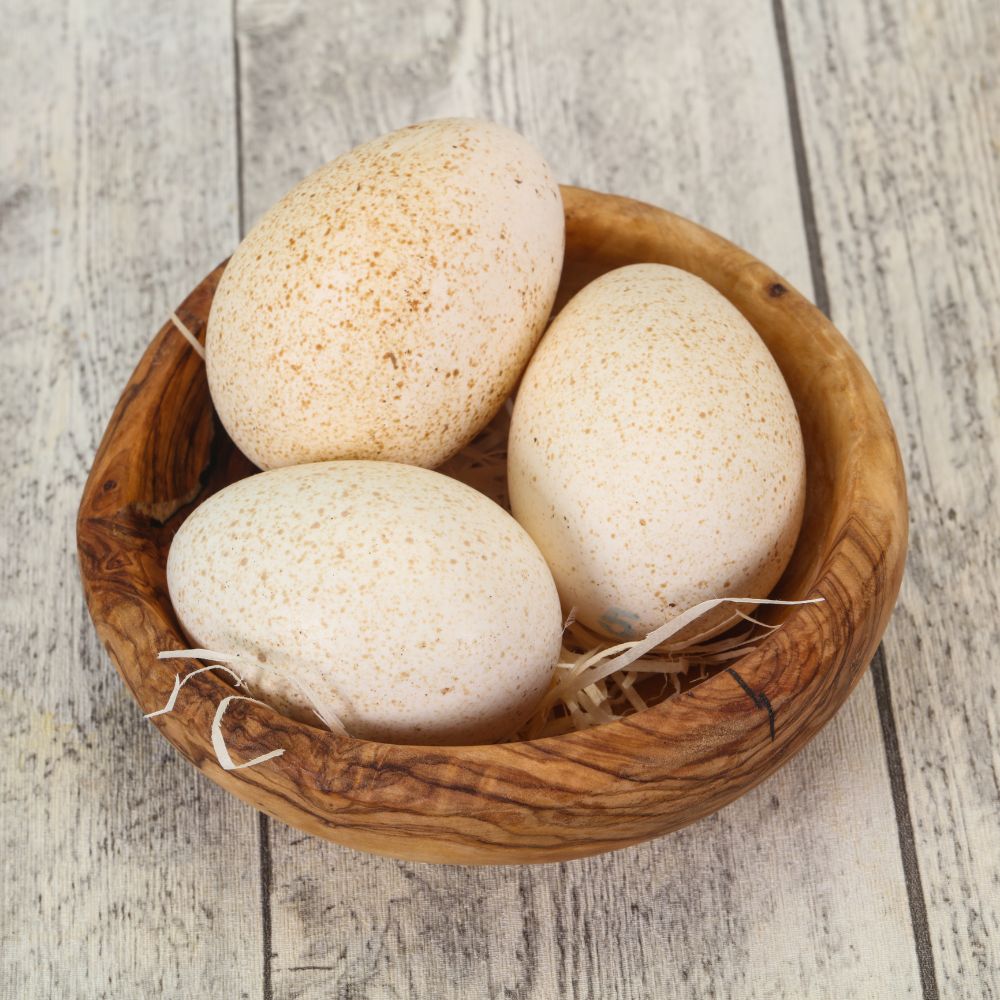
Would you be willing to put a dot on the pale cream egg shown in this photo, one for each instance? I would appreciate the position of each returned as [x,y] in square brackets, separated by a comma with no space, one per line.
[409,605]
[655,452]
[387,305]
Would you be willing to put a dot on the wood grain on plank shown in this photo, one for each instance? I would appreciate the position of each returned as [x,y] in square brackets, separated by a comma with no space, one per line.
[732,907]
[614,98]
[123,872]
[682,105]
[901,113]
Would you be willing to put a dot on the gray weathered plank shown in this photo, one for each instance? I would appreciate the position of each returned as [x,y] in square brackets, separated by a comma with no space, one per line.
[124,873]
[901,112]
[795,890]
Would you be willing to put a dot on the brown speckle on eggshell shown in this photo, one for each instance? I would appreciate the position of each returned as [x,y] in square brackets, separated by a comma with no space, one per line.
[655,453]
[386,306]
[413,607]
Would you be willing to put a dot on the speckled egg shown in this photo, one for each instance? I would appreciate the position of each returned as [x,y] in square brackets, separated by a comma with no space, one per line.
[655,453]
[410,605]
[387,305]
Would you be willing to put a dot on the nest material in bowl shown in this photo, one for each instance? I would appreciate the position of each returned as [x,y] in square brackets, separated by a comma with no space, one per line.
[584,691]
[595,682]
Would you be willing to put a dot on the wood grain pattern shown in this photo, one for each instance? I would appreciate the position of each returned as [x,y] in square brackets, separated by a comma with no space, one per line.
[901,107]
[695,119]
[116,184]
[731,906]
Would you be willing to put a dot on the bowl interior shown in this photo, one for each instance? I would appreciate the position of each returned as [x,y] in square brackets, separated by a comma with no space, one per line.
[482,464]
[164,453]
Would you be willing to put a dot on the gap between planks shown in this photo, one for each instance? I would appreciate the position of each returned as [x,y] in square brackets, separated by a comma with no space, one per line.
[880,676]
[263,821]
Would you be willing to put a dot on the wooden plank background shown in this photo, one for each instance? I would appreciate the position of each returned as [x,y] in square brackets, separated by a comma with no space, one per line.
[854,146]
[902,130]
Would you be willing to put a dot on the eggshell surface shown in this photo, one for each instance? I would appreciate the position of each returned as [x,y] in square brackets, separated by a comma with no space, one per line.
[412,606]
[655,452]
[387,305]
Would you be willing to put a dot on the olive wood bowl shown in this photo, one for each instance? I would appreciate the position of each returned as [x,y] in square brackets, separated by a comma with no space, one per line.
[565,796]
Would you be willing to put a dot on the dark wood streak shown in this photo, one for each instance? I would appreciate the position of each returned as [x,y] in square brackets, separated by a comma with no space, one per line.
[757,697]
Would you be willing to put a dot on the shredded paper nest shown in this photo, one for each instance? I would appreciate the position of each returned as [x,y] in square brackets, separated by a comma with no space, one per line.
[596,682]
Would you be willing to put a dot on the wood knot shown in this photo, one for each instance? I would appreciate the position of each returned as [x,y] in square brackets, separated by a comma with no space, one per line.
[776,290]
[109,485]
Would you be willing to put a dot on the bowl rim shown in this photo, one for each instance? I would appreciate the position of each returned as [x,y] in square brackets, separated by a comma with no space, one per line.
[729,718]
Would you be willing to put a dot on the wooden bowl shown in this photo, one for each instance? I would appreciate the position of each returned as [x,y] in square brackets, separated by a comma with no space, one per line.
[550,799]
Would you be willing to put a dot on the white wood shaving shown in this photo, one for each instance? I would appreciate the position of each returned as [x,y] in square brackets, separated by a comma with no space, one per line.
[592,687]
[188,336]
[179,682]
[326,715]
[660,635]
[219,744]
[599,685]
